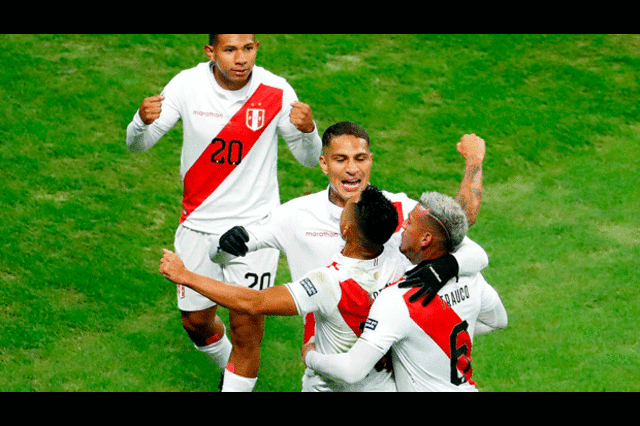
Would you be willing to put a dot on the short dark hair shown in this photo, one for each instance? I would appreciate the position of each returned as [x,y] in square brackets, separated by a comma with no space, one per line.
[215,38]
[376,216]
[344,128]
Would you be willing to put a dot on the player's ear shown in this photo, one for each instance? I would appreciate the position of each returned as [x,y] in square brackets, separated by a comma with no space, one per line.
[346,230]
[209,51]
[323,165]
[426,240]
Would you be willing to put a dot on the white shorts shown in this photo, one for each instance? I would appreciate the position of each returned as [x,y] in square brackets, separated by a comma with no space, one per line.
[255,270]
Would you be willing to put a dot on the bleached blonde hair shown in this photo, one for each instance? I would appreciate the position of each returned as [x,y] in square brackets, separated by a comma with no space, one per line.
[449,214]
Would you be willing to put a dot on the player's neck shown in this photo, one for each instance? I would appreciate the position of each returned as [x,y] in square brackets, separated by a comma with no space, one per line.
[431,253]
[335,198]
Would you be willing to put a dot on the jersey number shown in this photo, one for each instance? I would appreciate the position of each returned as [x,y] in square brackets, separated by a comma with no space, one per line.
[230,153]
[460,353]
[265,280]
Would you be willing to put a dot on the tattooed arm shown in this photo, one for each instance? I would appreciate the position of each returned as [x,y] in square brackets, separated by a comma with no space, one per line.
[472,148]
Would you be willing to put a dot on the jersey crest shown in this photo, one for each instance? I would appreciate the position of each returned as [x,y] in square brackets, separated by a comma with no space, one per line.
[255,118]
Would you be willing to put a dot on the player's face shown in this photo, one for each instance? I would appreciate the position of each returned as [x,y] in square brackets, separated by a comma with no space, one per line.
[347,162]
[413,237]
[234,56]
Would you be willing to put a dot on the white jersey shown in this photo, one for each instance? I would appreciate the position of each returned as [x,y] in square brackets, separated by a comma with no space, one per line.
[230,144]
[307,230]
[340,296]
[431,346]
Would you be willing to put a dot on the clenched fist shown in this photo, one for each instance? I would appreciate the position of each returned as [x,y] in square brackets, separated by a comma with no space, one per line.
[301,117]
[171,266]
[472,148]
[151,108]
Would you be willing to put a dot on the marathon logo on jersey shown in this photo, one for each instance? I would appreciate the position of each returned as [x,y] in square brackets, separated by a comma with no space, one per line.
[371,324]
[255,118]
[308,286]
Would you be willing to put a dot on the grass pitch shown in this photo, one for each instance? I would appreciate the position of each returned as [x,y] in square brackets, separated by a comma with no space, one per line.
[82,307]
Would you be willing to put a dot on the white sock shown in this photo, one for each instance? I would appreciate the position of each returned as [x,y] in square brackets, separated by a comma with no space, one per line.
[218,352]
[234,383]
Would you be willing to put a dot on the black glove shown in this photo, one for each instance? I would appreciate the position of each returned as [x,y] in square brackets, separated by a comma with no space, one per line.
[234,241]
[430,276]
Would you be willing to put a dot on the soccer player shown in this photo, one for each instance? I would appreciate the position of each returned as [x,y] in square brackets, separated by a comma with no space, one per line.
[232,112]
[306,229]
[431,339]
[339,293]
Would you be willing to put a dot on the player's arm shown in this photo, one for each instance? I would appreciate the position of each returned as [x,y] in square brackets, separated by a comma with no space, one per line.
[238,241]
[472,148]
[155,117]
[384,326]
[272,301]
[471,257]
[141,136]
[493,315]
[269,233]
[350,367]
[299,130]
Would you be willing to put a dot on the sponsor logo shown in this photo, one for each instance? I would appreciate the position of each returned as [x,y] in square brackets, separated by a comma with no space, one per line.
[321,234]
[208,114]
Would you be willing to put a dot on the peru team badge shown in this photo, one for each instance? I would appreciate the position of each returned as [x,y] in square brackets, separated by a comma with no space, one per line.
[255,118]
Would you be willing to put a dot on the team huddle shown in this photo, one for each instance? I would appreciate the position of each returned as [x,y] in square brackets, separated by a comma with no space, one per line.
[390,288]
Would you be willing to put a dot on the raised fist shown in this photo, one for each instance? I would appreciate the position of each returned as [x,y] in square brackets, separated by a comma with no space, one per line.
[301,117]
[151,108]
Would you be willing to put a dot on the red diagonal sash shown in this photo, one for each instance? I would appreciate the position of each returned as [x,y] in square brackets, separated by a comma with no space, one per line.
[354,305]
[244,128]
[448,331]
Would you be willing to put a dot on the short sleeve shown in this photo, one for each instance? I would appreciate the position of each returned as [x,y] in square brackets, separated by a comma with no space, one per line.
[318,291]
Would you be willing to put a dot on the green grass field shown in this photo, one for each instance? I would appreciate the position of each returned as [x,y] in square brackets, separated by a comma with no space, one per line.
[83,308]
